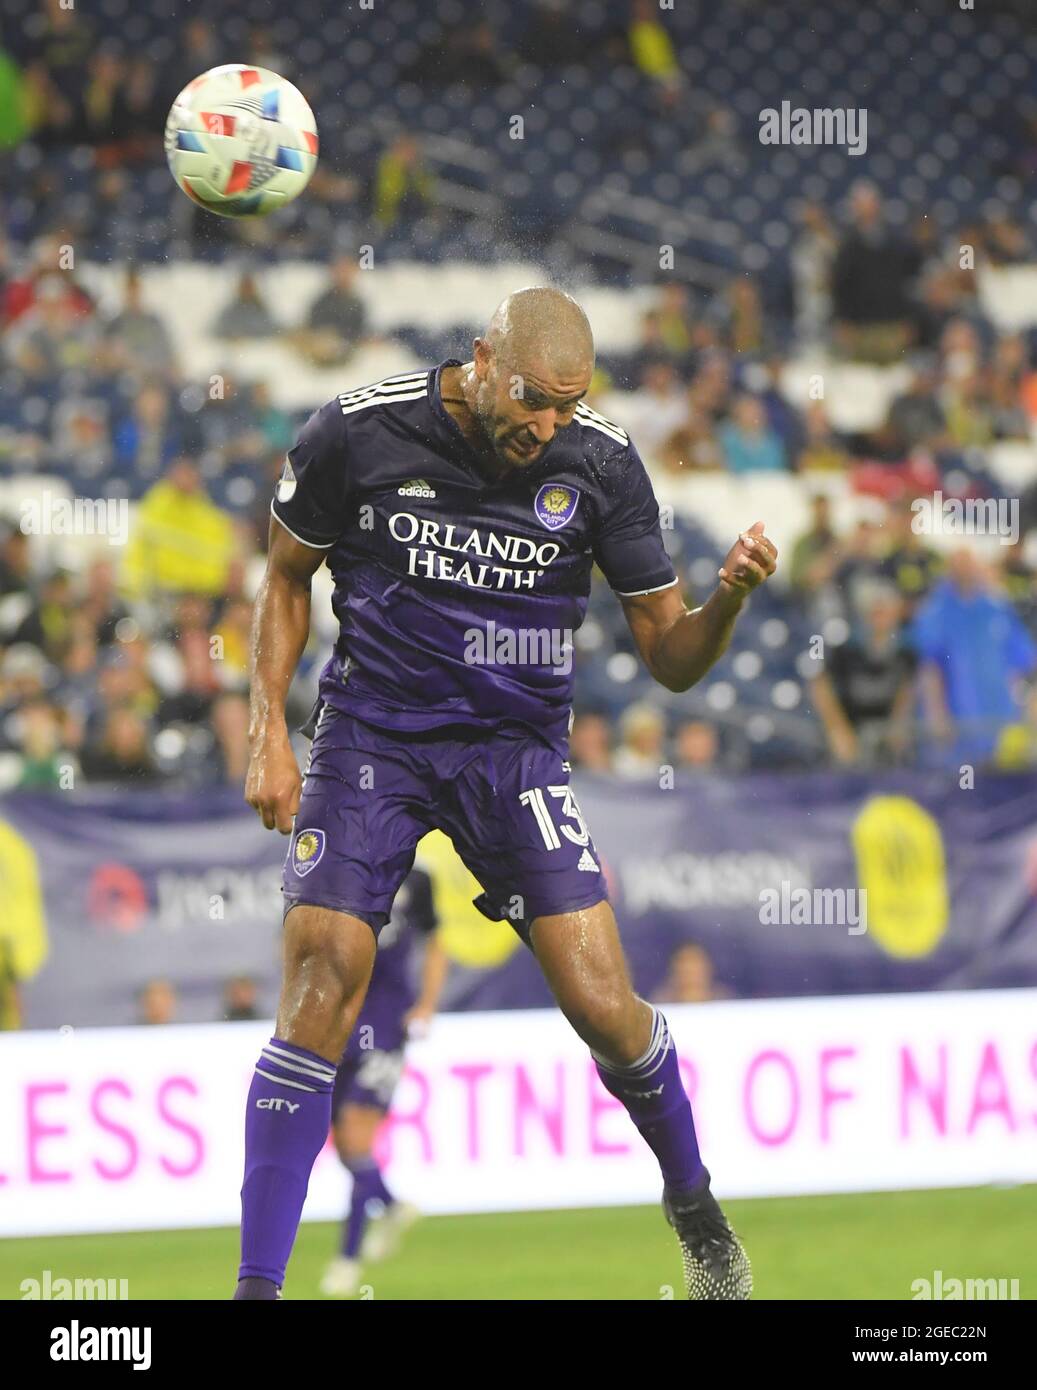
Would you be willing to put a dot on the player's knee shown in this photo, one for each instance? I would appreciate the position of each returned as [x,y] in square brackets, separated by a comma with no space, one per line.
[611,1024]
[327,952]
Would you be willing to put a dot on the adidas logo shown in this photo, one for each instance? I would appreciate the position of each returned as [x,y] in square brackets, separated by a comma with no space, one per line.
[417,487]
[587,863]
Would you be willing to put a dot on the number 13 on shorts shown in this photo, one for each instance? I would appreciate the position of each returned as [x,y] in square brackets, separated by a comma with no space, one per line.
[538,804]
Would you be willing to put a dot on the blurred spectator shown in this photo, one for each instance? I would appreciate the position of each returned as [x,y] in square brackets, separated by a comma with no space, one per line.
[642,733]
[45,270]
[15,559]
[1019,581]
[180,541]
[969,415]
[184,666]
[651,47]
[337,320]
[710,391]
[694,446]
[916,417]
[871,282]
[246,316]
[822,449]
[865,692]
[811,262]
[860,565]
[550,38]
[403,187]
[148,438]
[815,554]
[748,442]
[1008,370]
[45,762]
[157,1003]
[199,50]
[99,601]
[52,336]
[674,321]
[655,410]
[122,753]
[139,338]
[240,1000]
[738,313]
[689,979]
[48,623]
[696,744]
[590,743]
[24,675]
[230,727]
[909,563]
[974,651]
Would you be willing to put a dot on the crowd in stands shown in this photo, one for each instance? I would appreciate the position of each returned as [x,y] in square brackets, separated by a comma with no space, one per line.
[131,667]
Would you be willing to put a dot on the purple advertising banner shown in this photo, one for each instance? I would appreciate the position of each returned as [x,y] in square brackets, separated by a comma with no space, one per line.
[803,884]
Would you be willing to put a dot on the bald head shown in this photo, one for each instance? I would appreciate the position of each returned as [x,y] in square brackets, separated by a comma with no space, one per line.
[529,373]
[542,328]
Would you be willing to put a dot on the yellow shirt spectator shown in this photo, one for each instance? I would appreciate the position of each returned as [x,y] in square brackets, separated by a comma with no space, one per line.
[180,541]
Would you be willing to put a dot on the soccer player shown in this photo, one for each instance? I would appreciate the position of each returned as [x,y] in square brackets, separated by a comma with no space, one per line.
[461,510]
[368,1073]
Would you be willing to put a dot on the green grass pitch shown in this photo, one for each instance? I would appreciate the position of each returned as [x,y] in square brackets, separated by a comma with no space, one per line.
[867,1246]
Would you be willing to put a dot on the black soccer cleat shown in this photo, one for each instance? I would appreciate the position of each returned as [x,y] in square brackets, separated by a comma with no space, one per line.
[716,1267]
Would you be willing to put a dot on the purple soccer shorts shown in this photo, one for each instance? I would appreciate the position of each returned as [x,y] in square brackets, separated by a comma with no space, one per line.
[503,798]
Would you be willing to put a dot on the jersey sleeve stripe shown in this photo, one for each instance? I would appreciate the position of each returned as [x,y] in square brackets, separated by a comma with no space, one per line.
[314,545]
[638,593]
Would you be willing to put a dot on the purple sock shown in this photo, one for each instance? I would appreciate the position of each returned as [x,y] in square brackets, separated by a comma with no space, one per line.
[652,1091]
[368,1186]
[286,1125]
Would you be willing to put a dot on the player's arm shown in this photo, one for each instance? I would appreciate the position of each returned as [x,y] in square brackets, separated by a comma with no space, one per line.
[839,732]
[280,627]
[435,967]
[308,517]
[679,645]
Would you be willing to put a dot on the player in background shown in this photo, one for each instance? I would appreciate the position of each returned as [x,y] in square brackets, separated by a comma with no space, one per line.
[462,510]
[368,1074]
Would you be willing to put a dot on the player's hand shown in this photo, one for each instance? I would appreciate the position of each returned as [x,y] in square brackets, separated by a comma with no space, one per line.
[273,785]
[752,559]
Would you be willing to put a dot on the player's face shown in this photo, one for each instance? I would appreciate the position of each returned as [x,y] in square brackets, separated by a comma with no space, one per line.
[520,410]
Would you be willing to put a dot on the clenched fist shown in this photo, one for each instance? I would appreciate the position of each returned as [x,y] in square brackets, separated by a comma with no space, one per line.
[751,560]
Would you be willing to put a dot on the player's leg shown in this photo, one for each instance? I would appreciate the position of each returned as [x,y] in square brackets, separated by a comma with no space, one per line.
[328,957]
[353,845]
[364,1086]
[521,832]
[354,1129]
[582,959]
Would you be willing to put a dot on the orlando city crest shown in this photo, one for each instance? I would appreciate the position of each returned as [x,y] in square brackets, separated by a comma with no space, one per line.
[555,505]
[309,846]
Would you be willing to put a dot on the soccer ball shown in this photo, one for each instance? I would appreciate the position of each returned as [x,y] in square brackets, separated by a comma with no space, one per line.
[241,141]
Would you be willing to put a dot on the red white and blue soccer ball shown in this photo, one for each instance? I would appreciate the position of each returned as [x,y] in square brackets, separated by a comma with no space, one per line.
[241,141]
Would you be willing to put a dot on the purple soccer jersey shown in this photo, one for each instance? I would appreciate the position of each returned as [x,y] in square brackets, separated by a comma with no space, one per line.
[434,562]
[373,1059]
